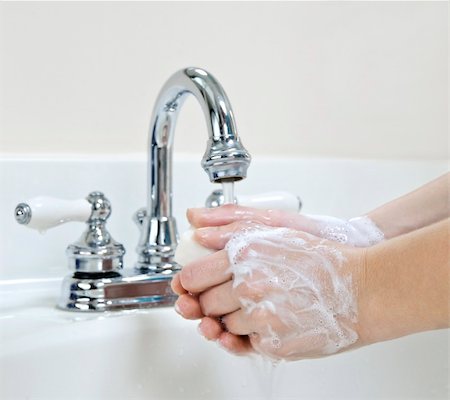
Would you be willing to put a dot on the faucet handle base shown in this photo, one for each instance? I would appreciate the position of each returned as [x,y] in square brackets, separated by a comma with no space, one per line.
[157,244]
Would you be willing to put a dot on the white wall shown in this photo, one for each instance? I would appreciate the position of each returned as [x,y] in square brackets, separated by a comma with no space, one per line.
[306,79]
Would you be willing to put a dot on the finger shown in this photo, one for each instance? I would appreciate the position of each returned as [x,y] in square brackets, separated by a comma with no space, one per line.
[210,328]
[239,345]
[224,215]
[206,272]
[238,323]
[188,307]
[219,300]
[229,213]
[216,237]
[176,286]
[261,319]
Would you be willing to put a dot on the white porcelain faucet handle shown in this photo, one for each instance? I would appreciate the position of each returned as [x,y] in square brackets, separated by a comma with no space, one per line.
[271,200]
[42,212]
[280,200]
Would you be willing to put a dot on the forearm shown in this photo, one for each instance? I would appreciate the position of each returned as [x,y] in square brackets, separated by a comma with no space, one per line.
[405,285]
[422,207]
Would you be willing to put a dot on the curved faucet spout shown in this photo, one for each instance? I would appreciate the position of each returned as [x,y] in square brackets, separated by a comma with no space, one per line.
[225,159]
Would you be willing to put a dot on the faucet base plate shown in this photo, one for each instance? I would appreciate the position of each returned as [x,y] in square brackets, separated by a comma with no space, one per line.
[116,293]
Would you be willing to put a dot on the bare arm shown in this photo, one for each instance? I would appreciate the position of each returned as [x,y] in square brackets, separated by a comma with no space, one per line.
[405,285]
[422,207]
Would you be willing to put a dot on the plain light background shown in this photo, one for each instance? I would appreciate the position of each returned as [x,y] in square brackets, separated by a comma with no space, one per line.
[357,79]
[348,80]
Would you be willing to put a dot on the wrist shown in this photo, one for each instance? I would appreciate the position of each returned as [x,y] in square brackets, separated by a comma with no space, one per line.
[371,325]
[375,291]
[369,314]
[383,312]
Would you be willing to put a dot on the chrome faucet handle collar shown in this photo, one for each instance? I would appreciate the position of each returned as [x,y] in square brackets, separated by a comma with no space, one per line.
[96,251]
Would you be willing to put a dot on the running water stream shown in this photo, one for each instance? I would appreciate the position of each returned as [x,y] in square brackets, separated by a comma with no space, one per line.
[228,192]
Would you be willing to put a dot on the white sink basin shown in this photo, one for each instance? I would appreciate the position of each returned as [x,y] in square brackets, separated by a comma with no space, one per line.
[50,354]
[46,353]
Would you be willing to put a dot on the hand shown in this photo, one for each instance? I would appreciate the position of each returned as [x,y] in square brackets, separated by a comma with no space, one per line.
[282,293]
[357,232]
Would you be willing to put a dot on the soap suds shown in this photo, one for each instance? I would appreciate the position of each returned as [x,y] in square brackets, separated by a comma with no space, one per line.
[358,232]
[307,307]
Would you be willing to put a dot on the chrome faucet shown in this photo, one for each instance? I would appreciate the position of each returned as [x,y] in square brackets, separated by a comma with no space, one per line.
[225,159]
[99,282]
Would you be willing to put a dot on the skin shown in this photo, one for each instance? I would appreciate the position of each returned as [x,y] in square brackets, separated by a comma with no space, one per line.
[395,291]
[422,207]
[405,285]
[415,210]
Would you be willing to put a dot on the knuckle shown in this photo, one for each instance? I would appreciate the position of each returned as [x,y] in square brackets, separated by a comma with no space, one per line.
[230,323]
[245,221]
[249,292]
[205,304]
[187,278]
[227,323]
[275,216]
[260,314]
[229,207]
